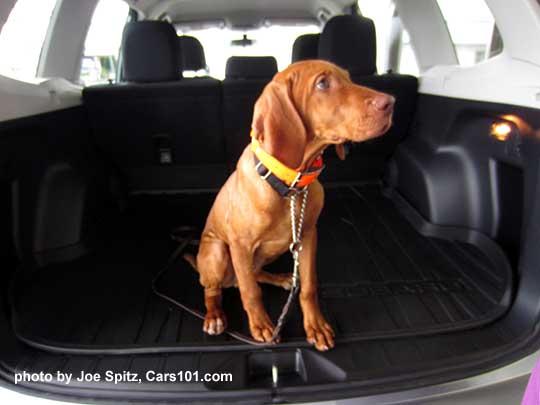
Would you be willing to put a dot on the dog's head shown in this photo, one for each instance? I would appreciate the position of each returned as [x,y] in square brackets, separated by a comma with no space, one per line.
[316,100]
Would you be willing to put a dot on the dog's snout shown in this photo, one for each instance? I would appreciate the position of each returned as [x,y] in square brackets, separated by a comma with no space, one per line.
[382,102]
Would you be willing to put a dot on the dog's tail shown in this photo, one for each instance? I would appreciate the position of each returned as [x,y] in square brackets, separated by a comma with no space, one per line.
[191,260]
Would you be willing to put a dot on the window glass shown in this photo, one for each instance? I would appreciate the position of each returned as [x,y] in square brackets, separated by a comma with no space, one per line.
[22,38]
[274,40]
[472,28]
[103,41]
[407,63]
[382,14]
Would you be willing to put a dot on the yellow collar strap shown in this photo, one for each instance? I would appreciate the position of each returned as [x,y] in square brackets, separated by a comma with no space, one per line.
[273,171]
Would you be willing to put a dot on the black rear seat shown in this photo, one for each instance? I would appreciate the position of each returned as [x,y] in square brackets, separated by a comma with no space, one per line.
[305,47]
[349,41]
[202,125]
[162,133]
[149,52]
[192,53]
[245,79]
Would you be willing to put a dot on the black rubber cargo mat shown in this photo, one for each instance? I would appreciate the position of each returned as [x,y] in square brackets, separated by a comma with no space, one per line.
[378,278]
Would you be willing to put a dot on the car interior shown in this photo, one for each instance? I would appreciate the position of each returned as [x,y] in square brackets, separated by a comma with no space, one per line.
[428,242]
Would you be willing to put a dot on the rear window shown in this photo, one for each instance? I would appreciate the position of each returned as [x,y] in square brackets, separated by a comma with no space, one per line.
[103,41]
[472,29]
[274,40]
[385,19]
[22,38]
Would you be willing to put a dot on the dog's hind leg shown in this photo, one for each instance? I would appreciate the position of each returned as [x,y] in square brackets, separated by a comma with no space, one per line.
[283,280]
[214,266]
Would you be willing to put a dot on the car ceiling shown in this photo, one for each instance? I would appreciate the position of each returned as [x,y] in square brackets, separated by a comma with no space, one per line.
[239,13]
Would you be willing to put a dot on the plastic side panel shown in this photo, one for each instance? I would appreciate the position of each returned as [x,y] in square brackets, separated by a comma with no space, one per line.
[49,165]
[456,174]
[59,208]
[21,99]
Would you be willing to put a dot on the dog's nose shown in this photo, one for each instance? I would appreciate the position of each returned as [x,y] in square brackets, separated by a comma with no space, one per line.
[382,102]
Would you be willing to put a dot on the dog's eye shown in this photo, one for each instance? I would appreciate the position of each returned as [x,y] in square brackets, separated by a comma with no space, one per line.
[322,84]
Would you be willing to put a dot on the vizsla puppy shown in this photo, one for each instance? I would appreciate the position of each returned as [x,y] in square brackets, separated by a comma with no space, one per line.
[304,109]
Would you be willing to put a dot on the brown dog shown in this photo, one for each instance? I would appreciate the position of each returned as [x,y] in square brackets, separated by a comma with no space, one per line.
[305,108]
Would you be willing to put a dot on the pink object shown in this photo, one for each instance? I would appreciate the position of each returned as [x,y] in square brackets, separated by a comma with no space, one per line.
[532,392]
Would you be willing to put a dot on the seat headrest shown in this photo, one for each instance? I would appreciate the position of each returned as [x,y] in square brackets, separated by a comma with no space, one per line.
[150,52]
[349,41]
[305,47]
[251,67]
[192,53]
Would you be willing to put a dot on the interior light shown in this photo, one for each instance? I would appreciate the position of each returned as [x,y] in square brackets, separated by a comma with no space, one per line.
[501,130]
[523,127]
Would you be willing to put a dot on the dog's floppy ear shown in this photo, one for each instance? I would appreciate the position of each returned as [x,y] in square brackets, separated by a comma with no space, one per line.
[277,125]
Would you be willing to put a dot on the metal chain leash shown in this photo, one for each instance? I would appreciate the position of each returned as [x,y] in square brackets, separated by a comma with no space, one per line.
[295,248]
[182,235]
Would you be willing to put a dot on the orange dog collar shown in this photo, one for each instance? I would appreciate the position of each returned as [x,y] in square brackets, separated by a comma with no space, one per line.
[281,177]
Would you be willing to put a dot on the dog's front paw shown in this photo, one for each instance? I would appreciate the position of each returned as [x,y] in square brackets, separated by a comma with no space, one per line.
[261,326]
[318,332]
[215,322]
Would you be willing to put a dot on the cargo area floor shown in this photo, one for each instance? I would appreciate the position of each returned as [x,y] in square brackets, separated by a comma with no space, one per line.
[379,277]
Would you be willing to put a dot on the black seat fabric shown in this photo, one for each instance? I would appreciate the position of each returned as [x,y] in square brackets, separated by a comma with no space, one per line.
[160,135]
[251,67]
[149,52]
[245,79]
[349,41]
[305,47]
[192,52]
